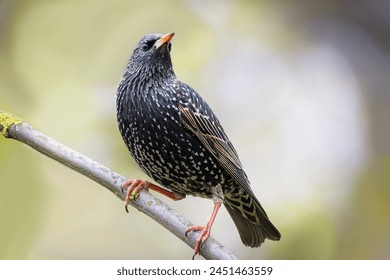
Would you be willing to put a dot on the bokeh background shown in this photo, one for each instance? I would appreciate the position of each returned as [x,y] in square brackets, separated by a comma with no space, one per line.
[301,87]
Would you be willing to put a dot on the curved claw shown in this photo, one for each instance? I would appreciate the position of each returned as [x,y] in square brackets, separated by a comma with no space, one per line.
[134,187]
[203,236]
[204,231]
[193,228]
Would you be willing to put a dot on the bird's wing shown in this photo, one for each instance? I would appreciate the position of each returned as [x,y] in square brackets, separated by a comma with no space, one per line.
[197,116]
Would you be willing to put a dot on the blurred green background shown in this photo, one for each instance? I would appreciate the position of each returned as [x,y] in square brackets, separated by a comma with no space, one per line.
[301,87]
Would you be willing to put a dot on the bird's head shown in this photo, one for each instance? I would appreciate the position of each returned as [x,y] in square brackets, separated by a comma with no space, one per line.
[152,53]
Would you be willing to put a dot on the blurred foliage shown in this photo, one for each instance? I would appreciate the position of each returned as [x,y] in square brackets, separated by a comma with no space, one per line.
[312,235]
[22,200]
[365,230]
[301,87]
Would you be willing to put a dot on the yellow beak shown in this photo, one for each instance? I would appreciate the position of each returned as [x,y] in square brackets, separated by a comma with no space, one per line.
[164,39]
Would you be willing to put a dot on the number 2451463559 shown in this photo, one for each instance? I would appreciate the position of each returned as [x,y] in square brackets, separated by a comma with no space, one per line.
[246,270]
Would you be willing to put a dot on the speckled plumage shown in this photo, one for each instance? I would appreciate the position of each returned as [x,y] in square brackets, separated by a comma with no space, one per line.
[177,140]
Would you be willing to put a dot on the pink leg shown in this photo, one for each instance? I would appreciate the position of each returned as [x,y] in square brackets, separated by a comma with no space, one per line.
[204,230]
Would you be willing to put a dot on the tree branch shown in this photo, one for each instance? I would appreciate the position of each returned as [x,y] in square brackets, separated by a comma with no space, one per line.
[12,127]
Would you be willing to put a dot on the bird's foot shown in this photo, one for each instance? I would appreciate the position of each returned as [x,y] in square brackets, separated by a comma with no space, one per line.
[203,236]
[135,186]
[133,189]
[204,231]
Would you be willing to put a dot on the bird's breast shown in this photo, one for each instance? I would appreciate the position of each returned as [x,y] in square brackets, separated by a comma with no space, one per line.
[165,149]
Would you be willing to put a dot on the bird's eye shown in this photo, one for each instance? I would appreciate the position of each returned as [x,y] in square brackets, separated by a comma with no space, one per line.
[148,45]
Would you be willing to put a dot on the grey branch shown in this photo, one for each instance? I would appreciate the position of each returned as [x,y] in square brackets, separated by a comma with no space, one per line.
[11,127]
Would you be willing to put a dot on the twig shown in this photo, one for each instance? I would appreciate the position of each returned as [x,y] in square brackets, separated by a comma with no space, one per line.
[12,127]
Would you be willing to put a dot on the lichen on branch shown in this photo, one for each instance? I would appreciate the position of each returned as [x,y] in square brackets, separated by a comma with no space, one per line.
[6,120]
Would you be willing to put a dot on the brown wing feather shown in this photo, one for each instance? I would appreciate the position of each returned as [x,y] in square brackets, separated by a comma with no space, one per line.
[213,137]
[211,134]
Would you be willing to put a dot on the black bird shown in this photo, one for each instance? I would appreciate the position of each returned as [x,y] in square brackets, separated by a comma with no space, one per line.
[177,140]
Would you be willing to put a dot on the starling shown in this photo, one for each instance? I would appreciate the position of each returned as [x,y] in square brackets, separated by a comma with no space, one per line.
[177,140]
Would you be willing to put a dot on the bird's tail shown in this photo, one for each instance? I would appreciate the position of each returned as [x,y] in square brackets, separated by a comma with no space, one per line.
[250,219]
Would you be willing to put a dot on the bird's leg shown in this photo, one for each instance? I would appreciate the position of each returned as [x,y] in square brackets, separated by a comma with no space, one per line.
[135,186]
[205,230]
